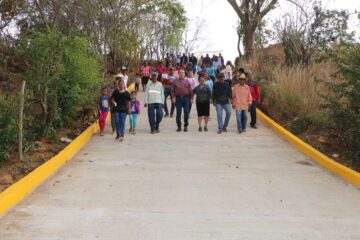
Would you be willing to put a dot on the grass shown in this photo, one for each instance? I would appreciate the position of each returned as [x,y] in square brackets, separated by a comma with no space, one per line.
[296,91]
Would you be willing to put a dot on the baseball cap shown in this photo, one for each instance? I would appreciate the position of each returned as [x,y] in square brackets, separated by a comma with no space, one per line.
[124,68]
[154,74]
[221,75]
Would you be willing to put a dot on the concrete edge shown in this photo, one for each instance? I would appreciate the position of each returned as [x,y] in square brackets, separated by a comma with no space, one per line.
[19,190]
[348,174]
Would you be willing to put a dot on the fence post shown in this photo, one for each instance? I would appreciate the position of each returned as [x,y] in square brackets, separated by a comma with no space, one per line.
[21,120]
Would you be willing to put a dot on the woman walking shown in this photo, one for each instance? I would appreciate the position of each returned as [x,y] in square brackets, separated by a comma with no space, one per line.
[203,100]
[145,72]
[121,100]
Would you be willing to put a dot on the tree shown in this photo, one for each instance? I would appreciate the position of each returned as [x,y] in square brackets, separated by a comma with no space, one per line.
[344,102]
[240,33]
[312,34]
[251,13]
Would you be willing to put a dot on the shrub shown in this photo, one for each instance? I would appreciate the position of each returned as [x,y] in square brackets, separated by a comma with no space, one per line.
[62,73]
[344,102]
[294,91]
[8,126]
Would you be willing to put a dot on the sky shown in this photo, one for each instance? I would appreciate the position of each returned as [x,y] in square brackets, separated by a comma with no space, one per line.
[219,20]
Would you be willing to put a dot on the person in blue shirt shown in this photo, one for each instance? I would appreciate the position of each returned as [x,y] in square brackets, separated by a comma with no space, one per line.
[212,72]
[208,81]
[103,109]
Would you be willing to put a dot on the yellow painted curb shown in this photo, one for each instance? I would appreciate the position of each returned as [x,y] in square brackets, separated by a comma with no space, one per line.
[16,192]
[337,168]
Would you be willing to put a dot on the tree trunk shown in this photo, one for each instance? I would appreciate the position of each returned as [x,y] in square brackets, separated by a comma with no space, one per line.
[249,42]
[44,106]
[239,45]
[21,119]
[104,51]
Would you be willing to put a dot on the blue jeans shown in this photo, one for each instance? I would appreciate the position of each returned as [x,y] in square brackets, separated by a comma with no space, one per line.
[182,102]
[155,114]
[120,119]
[241,118]
[219,111]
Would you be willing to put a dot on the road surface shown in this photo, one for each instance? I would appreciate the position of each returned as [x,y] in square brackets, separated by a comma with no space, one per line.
[182,186]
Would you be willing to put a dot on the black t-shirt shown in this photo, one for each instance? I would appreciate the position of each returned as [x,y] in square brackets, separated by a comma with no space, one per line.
[122,101]
[203,94]
[222,93]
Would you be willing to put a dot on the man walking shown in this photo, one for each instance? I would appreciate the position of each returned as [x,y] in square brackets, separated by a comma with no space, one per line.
[222,95]
[154,100]
[255,94]
[194,62]
[168,84]
[182,95]
[241,101]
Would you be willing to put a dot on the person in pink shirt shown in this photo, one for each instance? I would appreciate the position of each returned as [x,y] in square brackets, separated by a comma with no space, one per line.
[145,72]
[190,78]
[160,69]
[241,101]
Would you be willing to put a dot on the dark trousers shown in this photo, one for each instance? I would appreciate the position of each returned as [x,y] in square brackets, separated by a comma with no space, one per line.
[182,102]
[252,111]
[155,114]
[167,94]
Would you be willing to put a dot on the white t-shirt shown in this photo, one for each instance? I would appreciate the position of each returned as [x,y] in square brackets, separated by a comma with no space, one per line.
[228,72]
[126,79]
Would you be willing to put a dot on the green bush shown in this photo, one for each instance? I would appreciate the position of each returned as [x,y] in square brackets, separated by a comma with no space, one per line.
[63,75]
[344,102]
[8,126]
[303,123]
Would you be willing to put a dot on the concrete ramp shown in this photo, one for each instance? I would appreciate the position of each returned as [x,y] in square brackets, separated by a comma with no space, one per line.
[182,186]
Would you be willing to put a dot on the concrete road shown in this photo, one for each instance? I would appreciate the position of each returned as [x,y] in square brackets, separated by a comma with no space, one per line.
[177,186]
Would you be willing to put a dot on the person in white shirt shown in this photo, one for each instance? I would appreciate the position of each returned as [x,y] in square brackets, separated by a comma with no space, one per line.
[154,101]
[124,73]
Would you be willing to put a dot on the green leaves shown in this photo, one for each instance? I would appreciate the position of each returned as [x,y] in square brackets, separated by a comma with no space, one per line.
[62,73]
[8,126]
[344,103]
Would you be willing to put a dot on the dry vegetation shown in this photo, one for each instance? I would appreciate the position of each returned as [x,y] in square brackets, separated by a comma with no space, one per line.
[293,96]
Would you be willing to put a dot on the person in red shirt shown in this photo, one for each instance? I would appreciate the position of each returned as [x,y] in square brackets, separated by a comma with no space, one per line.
[182,96]
[255,94]
[160,69]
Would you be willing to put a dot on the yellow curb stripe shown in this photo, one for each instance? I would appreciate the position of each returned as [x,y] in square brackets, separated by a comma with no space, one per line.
[337,168]
[19,190]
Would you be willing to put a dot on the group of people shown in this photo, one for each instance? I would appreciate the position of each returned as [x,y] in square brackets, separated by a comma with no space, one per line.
[230,89]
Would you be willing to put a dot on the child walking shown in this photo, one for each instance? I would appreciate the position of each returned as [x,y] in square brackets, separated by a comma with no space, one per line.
[241,101]
[103,109]
[134,112]
[137,82]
